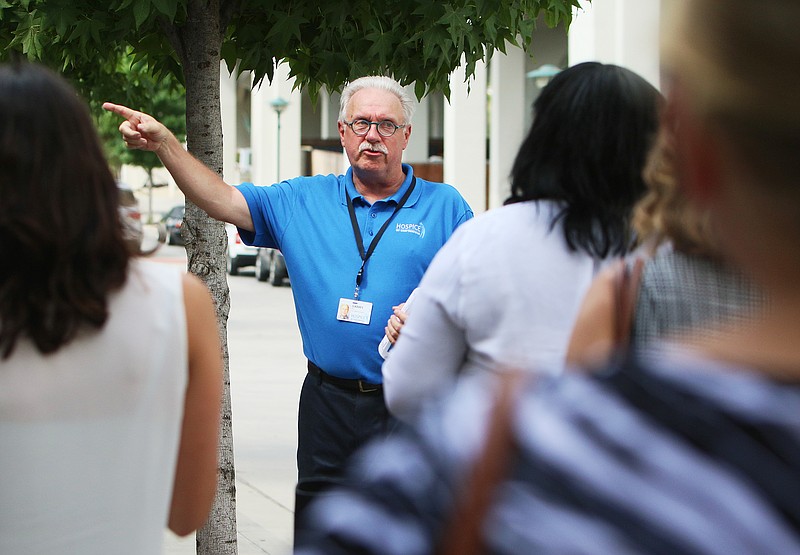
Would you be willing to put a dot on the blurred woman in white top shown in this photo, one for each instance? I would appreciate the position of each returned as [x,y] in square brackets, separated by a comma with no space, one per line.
[110,366]
[505,289]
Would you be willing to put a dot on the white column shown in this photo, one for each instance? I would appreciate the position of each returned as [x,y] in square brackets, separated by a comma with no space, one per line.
[291,155]
[592,36]
[264,130]
[622,32]
[507,121]
[330,126]
[465,137]
[324,103]
[638,25]
[260,127]
[329,114]
[417,149]
[227,100]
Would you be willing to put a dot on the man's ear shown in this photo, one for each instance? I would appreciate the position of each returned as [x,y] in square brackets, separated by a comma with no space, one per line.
[406,134]
[340,126]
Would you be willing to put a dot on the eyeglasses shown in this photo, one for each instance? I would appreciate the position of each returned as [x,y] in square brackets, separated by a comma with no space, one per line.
[361,127]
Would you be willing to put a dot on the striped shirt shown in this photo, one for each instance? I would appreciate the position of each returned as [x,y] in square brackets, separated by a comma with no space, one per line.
[643,458]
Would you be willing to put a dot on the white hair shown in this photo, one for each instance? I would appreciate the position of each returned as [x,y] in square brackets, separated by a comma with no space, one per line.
[378,82]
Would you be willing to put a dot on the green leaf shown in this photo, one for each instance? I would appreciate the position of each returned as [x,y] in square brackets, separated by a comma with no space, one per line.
[325,43]
[95,29]
[419,89]
[141,10]
[167,7]
[26,35]
[288,29]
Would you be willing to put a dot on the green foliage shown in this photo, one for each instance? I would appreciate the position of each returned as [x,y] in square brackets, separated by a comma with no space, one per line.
[87,41]
[324,43]
[415,41]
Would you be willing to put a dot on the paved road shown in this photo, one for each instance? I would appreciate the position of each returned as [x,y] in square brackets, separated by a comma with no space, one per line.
[267,369]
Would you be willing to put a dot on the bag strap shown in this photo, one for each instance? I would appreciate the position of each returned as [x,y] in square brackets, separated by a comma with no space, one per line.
[626,291]
[464,535]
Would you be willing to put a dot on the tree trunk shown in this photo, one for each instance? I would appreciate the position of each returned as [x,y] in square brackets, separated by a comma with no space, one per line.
[200,41]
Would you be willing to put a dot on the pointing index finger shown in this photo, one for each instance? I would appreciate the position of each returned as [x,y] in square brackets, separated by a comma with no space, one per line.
[123,111]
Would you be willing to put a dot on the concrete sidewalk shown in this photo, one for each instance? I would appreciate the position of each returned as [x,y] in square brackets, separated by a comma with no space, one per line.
[267,369]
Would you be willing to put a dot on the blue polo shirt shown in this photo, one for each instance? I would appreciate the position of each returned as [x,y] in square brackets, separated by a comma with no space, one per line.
[307,219]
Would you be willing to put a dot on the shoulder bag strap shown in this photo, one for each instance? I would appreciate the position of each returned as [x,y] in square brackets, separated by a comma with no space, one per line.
[626,291]
[463,535]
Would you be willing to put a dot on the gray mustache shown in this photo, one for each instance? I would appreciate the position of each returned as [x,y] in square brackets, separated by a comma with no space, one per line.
[376,147]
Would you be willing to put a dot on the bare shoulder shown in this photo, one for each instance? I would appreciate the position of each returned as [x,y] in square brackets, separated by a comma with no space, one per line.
[201,322]
[592,340]
[194,290]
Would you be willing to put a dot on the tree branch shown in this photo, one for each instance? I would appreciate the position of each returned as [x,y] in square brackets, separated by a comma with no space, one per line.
[226,11]
[171,32]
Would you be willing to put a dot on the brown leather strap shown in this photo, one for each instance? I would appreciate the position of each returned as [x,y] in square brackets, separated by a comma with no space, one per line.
[463,535]
[626,291]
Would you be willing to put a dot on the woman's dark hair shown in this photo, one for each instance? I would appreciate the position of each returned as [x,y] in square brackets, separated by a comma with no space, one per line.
[61,241]
[592,129]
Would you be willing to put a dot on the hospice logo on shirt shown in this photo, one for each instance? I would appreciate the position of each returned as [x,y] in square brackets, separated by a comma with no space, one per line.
[416,229]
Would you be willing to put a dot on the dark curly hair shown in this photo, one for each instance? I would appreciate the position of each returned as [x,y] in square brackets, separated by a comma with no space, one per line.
[593,126]
[61,240]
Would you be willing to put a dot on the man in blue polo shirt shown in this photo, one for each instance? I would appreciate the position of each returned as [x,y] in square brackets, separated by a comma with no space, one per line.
[355,245]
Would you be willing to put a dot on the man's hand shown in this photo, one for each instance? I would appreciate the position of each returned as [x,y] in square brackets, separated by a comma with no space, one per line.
[395,323]
[139,130]
[201,185]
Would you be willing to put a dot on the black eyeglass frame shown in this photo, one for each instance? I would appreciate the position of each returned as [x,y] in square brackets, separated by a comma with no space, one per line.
[377,125]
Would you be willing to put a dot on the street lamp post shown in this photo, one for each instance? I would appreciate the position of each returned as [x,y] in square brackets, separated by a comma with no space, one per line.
[279,105]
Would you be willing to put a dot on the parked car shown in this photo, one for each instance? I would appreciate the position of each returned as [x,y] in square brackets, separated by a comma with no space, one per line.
[171,225]
[238,254]
[270,265]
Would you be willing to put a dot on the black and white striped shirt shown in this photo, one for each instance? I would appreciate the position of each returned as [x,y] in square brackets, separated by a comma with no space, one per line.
[670,454]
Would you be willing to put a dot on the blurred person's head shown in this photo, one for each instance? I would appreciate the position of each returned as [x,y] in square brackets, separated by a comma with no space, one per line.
[60,234]
[733,102]
[664,213]
[593,125]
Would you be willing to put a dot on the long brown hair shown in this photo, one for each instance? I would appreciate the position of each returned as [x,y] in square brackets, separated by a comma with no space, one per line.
[61,241]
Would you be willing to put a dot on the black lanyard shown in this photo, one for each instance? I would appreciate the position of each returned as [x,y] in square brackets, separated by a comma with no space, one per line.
[374,243]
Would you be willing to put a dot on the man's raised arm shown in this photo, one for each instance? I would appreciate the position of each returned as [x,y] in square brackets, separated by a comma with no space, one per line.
[200,185]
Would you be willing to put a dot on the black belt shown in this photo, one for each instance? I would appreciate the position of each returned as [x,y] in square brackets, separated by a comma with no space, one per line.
[351,385]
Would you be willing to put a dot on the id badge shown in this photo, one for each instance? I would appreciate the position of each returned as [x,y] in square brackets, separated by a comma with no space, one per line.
[350,310]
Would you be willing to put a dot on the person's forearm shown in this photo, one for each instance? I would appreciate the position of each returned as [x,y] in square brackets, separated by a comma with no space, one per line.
[426,359]
[203,186]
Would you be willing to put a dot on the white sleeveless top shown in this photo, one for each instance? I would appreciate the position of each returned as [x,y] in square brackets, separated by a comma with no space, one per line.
[89,435]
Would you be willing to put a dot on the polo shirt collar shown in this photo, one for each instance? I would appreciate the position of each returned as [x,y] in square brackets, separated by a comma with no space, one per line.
[354,194]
